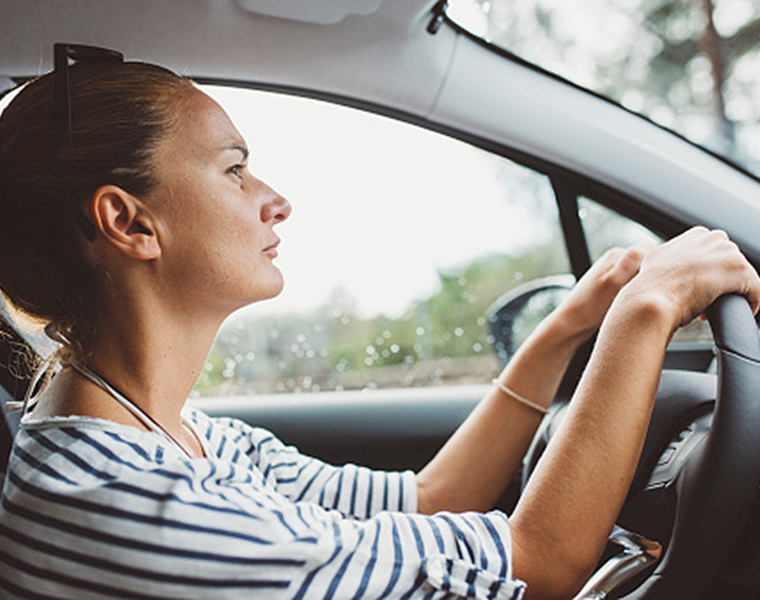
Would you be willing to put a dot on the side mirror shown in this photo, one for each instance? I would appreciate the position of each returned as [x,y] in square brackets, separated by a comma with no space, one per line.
[515,314]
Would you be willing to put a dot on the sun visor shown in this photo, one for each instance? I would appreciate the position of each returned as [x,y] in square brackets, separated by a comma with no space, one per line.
[322,12]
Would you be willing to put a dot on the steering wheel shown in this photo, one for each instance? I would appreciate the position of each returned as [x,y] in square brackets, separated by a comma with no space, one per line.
[716,487]
[723,479]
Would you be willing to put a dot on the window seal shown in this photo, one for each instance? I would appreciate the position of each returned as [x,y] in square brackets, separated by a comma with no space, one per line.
[575,237]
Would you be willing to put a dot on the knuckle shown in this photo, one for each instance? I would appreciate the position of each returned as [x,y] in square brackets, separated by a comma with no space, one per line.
[630,261]
[634,253]
[719,235]
[613,254]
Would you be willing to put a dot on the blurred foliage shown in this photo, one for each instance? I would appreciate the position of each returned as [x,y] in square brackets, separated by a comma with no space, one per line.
[444,336]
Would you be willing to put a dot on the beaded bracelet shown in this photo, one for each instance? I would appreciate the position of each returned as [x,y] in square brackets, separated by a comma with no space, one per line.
[521,399]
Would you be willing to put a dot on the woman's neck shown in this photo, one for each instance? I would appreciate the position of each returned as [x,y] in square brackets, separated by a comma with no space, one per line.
[154,358]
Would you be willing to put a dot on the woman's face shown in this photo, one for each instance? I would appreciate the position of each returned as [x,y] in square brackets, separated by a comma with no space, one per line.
[215,219]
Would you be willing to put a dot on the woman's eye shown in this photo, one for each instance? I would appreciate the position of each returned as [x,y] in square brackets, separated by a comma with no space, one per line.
[236,170]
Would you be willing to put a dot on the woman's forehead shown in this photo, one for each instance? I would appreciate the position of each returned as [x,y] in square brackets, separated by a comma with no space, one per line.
[205,125]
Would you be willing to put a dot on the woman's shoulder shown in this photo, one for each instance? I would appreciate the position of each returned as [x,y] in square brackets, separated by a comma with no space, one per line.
[79,441]
[84,455]
[220,431]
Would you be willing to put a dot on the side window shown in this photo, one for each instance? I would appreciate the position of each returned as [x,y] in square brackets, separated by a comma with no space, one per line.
[605,228]
[399,241]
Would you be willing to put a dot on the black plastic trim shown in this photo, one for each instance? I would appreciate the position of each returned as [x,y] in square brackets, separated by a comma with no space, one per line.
[572,228]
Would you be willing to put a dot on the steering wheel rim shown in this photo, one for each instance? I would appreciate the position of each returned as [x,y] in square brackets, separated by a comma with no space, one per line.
[723,479]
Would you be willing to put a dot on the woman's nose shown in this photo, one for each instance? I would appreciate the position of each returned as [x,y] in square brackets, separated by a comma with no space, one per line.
[276,209]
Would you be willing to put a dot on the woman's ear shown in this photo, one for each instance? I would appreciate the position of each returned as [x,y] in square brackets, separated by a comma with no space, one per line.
[125,222]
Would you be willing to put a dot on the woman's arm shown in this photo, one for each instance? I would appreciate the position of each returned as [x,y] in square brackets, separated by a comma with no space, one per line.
[472,470]
[565,514]
[560,525]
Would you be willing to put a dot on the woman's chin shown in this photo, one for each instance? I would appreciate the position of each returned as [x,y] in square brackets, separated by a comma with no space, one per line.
[270,291]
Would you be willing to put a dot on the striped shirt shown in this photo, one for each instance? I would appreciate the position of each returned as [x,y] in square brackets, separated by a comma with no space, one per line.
[96,509]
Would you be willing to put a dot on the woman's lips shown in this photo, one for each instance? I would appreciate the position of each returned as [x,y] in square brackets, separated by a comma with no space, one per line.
[271,250]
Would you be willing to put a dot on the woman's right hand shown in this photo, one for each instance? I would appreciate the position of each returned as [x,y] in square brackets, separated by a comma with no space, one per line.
[689,272]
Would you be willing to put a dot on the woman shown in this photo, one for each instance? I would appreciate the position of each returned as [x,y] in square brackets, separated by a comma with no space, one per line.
[134,230]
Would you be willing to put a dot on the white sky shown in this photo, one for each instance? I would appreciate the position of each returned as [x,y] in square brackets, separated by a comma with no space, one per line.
[378,206]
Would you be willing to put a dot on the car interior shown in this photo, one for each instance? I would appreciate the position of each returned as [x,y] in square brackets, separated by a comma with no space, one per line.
[690,526]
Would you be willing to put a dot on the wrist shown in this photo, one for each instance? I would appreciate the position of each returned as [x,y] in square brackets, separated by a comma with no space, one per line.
[554,340]
[566,327]
[647,304]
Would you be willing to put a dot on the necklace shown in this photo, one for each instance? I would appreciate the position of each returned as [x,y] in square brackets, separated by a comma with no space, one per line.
[141,415]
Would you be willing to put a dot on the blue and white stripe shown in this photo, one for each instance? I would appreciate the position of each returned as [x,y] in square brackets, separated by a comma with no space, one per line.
[95,509]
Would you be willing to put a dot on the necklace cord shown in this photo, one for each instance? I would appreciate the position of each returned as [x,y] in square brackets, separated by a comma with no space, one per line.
[141,415]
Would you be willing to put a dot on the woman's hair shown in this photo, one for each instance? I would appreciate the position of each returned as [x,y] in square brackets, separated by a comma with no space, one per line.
[119,115]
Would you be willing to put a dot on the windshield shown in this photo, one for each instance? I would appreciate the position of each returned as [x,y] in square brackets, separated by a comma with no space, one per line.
[692,66]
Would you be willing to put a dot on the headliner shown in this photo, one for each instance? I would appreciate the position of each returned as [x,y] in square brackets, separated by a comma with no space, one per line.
[363,56]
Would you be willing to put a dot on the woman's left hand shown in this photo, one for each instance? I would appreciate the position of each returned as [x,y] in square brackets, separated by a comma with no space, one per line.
[584,309]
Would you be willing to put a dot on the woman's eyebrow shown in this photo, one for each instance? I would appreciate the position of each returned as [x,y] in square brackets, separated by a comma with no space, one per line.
[234,147]
[237,147]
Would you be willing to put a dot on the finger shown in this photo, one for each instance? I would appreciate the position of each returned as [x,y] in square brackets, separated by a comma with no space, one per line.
[750,286]
[645,247]
[630,260]
[610,257]
[638,252]
[753,290]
